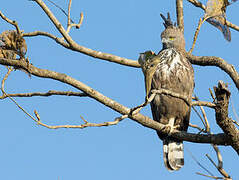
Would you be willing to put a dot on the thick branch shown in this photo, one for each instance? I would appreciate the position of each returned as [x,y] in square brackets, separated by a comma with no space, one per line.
[218,62]
[197,60]
[76,47]
[87,51]
[179,10]
[221,109]
[220,139]
[202,61]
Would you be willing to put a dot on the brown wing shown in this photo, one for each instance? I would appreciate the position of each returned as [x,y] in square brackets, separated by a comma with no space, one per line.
[174,73]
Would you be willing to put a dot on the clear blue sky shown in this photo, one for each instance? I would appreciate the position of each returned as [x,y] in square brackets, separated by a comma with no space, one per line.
[128,150]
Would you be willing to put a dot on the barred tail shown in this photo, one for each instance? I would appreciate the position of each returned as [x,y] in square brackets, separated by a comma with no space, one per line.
[173,154]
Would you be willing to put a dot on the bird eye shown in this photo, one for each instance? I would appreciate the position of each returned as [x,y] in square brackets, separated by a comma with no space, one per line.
[171,38]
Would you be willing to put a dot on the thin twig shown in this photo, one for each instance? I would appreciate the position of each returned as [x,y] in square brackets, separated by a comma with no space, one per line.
[80,21]
[137,109]
[235,113]
[4,93]
[12,22]
[197,4]
[64,12]
[9,70]
[199,115]
[219,156]
[212,95]
[207,126]
[197,127]
[69,14]
[219,166]
[38,120]
[198,163]
[86,123]
[49,93]
[213,177]
[196,34]
[211,160]
[76,47]
[203,103]
[75,25]
[221,170]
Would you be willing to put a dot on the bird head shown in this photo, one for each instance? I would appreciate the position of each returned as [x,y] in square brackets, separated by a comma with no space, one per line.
[172,36]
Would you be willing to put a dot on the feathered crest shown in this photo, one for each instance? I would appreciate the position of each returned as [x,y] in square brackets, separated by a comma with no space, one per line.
[167,21]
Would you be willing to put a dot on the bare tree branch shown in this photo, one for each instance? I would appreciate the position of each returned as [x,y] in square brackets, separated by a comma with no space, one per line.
[14,23]
[76,47]
[202,61]
[69,24]
[207,125]
[62,10]
[220,162]
[213,177]
[220,139]
[179,12]
[203,103]
[218,62]
[9,70]
[87,51]
[46,34]
[200,22]
[69,14]
[145,121]
[200,117]
[231,133]
[226,124]
[198,163]
[49,93]
[197,127]
[81,126]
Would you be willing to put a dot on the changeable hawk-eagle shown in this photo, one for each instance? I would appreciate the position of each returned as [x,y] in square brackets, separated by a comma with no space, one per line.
[172,71]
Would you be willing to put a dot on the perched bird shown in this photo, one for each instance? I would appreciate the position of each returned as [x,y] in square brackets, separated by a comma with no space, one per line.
[215,14]
[172,71]
[12,44]
[148,62]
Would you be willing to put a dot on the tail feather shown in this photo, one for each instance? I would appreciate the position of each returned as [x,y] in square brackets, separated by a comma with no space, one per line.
[173,155]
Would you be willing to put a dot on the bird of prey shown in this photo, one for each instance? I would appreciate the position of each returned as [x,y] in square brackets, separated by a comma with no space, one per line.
[170,70]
